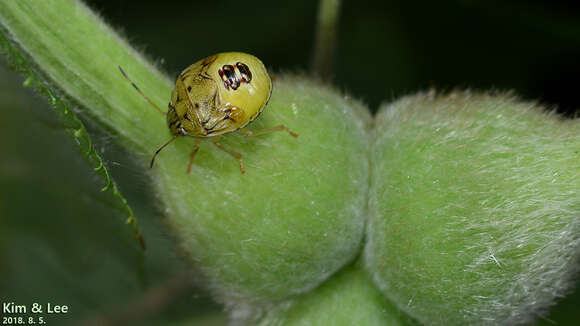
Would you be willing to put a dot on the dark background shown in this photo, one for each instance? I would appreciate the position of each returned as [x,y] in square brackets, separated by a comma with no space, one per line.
[62,241]
[385,49]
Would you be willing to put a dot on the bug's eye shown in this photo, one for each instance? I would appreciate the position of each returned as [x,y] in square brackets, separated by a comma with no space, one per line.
[244,72]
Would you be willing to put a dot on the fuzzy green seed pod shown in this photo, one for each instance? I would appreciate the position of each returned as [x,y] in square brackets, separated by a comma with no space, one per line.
[475,213]
[348,298]
[294,218]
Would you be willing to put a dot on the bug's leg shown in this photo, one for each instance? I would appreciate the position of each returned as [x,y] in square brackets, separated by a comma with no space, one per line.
[236,155]
[271,130]
[192,154]
[236,114]
[159,150]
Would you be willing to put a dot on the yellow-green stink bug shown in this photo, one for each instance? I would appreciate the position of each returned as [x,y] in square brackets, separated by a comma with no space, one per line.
[217,95]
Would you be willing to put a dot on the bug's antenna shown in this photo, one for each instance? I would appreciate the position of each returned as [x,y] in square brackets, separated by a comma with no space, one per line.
[138,90]
[159,150]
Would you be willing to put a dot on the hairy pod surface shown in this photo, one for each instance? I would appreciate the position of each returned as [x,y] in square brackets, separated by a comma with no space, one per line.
[474,208]
[348,298]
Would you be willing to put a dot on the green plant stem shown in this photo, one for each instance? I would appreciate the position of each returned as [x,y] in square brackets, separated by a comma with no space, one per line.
[326,29]
[81,54]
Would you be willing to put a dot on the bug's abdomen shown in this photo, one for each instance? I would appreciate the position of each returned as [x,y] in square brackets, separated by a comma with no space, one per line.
[234,75]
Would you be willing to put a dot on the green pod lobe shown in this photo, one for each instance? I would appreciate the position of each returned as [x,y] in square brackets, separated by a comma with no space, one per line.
[348,298]
[294,218]
[475,214]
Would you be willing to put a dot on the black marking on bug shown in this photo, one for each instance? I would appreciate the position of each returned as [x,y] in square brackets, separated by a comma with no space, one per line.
[205,66]
[227,113]
[229,77]
[234,75]
[197,105]
[227,117]
[205,76]
[208,61]
[189,88]
[244,72]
